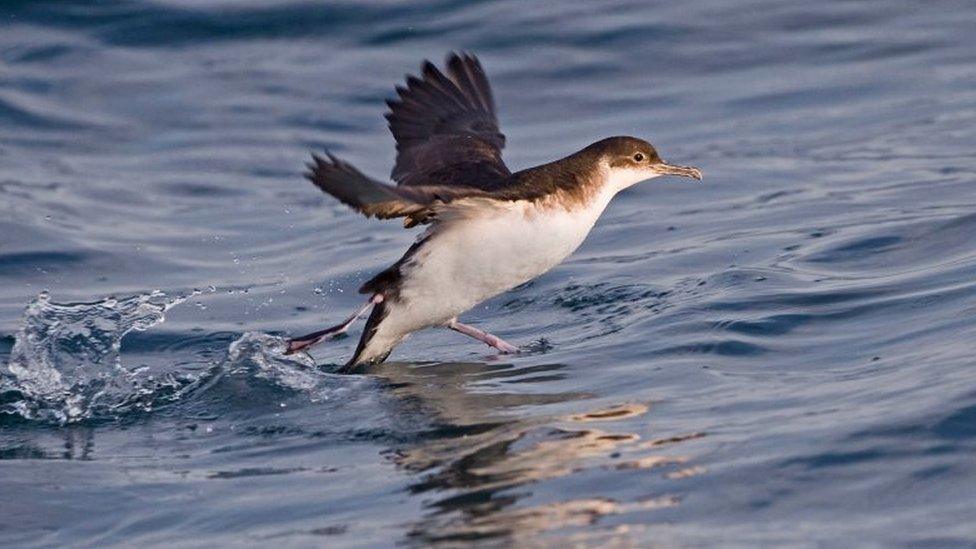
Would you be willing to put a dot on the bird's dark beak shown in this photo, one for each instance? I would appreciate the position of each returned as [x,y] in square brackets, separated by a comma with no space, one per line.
[683,171]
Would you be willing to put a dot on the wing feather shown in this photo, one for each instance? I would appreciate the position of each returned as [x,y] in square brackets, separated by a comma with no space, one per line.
[374,199]
[448,147]
[446,128]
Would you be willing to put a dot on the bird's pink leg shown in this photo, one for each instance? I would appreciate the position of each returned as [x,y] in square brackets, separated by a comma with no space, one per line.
[304,342]
[484,337]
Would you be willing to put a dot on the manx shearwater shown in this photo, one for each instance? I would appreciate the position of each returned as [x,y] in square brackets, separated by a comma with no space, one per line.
[488,229]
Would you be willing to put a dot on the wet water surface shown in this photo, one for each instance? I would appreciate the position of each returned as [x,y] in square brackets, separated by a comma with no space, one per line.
[781,355]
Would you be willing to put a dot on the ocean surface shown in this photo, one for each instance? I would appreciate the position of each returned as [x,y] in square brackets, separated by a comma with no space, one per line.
[782,355]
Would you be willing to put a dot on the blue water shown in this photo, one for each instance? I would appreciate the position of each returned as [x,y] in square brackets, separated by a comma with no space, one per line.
[781,356]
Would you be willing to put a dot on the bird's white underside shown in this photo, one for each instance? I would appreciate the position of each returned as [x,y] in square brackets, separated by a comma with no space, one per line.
[479,248]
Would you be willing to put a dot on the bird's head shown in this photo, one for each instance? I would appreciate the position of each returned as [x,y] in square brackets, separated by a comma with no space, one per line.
[629,160]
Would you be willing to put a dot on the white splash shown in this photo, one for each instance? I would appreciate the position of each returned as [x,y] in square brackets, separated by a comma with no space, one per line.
[65,362]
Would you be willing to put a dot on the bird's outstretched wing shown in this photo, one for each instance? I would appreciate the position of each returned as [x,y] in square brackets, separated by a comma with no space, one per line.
[374,199]
[446,129]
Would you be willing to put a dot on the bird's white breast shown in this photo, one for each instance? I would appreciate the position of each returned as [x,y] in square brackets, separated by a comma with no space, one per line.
[489,247]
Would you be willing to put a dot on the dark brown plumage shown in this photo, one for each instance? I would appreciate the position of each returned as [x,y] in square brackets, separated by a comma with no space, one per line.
[449,147]
[446,129]
[571,180]
[374,199]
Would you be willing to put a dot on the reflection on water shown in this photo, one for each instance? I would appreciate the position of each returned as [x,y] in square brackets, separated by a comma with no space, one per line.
[75,442]
[480,461]
[485,441]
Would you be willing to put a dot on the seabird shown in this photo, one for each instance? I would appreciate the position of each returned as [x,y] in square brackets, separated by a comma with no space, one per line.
[488,229]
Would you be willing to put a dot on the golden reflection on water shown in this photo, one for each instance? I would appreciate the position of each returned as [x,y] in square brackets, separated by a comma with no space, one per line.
[517,523]
[479,463]
[613,412]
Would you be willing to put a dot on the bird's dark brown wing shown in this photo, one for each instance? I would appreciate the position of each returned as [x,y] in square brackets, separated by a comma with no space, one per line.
[374,199]
[446,129]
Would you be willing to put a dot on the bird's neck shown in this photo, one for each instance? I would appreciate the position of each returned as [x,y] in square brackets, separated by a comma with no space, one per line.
[573,182]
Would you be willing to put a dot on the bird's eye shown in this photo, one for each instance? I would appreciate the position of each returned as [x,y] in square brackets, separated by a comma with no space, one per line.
[638,157]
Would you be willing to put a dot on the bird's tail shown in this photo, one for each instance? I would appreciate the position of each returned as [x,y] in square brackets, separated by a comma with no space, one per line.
[370,350]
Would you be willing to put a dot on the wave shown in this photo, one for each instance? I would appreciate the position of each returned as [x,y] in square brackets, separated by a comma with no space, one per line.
[66,364]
